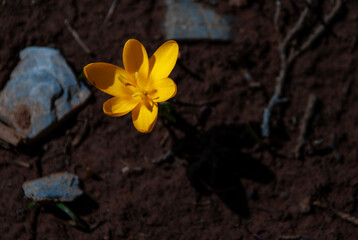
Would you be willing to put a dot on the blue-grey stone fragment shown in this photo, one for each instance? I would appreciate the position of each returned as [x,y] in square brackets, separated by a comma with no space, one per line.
[42,90]
[187,20]
[62,187]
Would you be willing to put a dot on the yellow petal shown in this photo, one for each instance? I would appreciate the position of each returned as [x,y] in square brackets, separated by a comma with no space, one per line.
[105,77]
[163,60]
[119,106]
[135,59]
[143,118]
[162,89]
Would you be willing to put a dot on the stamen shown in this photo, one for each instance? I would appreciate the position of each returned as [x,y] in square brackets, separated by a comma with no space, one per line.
[137,94]
[124,81]
[139,82]
[136,74]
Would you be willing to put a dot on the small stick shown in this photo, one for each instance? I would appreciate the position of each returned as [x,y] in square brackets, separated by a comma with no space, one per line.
[166,156]
[287,60]
[246,74]
[342,215]
[164,139]
[306,121]
[22,163]
[347,217]
[77,37]
[9,135]
[281,78]
[80,134]
[319,30]
[277,16]
[293,32]
[110,11]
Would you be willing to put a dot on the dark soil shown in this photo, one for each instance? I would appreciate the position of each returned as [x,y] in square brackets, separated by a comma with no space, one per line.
[221,183]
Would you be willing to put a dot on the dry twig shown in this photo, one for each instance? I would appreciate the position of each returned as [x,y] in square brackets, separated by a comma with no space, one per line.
[306,121]
[166,156]
[110,11]
[277,16]
[81,133]
[342,215]
[288,56]
[164,139]
[9,135]
[77,37]
[22,164]
[252,83]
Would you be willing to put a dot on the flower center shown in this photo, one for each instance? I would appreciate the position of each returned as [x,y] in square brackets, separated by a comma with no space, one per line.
[140,91]
[140,94]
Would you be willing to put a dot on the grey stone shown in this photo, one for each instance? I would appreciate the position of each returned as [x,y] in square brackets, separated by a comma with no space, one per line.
[62,187]
[187,20]
[42,91]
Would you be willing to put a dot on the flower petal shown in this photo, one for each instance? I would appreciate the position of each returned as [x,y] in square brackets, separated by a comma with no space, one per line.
[135,59]
[119,106]
[163,60]
[105,77]
[144,119]
[163,89]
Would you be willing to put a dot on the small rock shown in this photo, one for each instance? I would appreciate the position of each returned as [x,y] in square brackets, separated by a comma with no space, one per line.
[305,205]
[62,187]
[42,91]
[188,20]
[136,170]
[125,169]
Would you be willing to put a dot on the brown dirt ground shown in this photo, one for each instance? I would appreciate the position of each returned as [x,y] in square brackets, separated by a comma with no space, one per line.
[221,184]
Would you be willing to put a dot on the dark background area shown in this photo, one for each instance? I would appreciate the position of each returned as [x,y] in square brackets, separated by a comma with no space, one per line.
[221,183]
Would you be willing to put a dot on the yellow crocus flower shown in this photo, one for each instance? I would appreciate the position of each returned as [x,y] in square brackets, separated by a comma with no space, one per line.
[140,85]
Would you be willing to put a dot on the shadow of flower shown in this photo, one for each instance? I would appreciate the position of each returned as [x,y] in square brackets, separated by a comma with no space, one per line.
[217,163]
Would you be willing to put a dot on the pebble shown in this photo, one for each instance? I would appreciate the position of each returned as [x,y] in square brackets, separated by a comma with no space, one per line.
[62,187]
[41,92]
[188,20]
[305,205]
